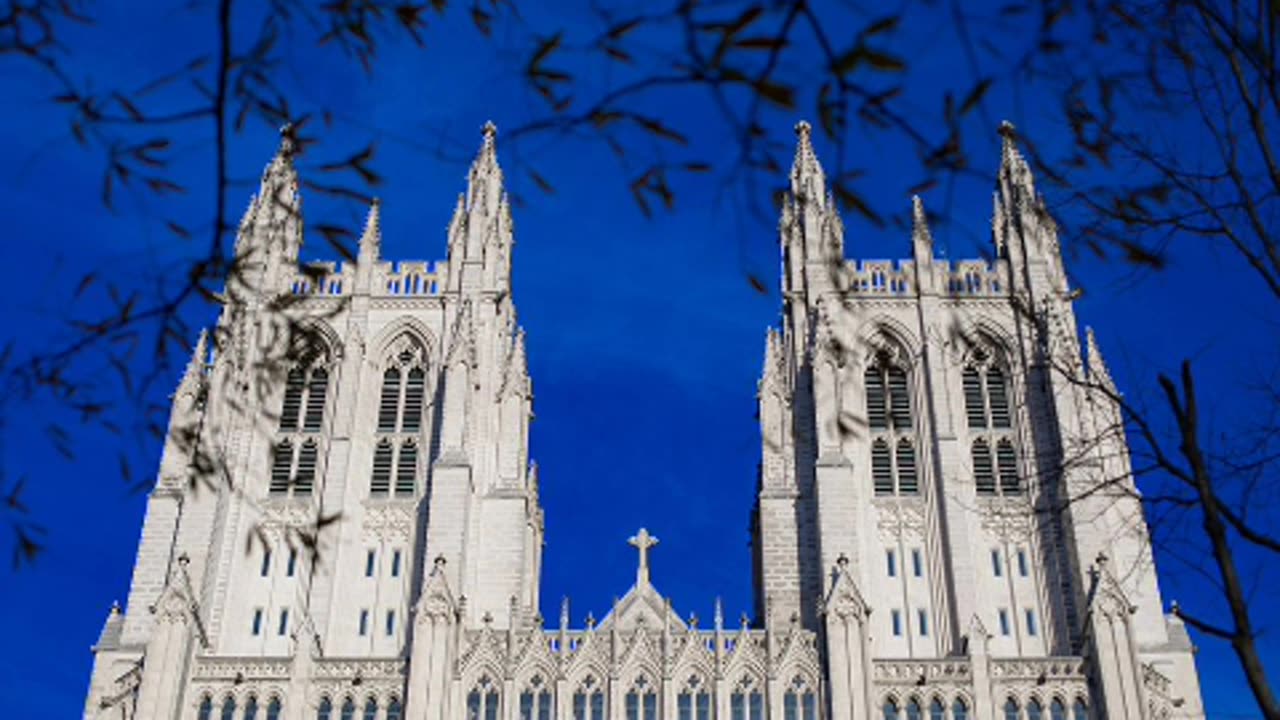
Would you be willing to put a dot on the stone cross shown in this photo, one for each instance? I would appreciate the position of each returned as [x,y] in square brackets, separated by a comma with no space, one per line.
[642,541]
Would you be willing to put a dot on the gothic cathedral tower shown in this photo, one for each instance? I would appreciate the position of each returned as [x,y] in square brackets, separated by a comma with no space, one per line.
[346,523]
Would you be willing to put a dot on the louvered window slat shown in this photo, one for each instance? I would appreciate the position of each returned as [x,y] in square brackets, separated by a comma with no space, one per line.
[413,392]
[998,396]
[317,389]
[407,469]
[1007,461]
[881,468]
[983,477]
[281,465]
[899,400]
[389,403]
[305,480]
[876,416]
[907,480]
[973,404]
[293,387]
[380,485]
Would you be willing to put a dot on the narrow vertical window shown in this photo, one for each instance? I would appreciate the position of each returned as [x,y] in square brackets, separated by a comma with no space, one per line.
[997,567]
[305,480]
[876,416]
[1079,711]
[380,484]
[284,622]
[206,709]
[251,708]
[395,564]
[917,563]
[1034,710]
[368,563]
[389,403]
[922,619]
[364,622]
[281,467]
[895,618]
[1007,460]
[348,709]
[959,711]
[974,411]
[891,563]
[899,400]
[391,622]
[292,564]
[881,468]
[289,412]
[1031,622]
[913,710]
[998,396]
[413,394]
[325,711]
[393,709]
[890,710]
[273,709]
[407,469]
[1011,709]
[371,708]
[1004,621]
[1022,562]
[317,388]
[266,562]
[257,621]
[983,475]
[936,710]
[908,484]
[1057,711]
[228,708]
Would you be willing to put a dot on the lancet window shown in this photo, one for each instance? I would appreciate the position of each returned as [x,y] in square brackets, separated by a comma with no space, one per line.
[273,709]
[588,701]
[746,702]
[642,701]
[893,453]
[991,432]
[537,702]
[484,702]
[799,702]
[296,450]
[398,440]
[694,701]
[370,709]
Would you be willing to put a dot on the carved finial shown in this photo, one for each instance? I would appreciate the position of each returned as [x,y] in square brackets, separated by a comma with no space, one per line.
[693,620]
[115,607]
[807,180]
[371,238]
[1098,372]
[288,140]
[842,562]
[803,130]
[438,564]
[1007,130]
[564,613]
[591,621]
[487,618]
[490,131]
[921,237]
[643,541]
[719,618]
[746,621]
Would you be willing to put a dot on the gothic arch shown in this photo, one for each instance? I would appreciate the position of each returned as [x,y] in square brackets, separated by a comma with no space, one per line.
[383,343]
[884,334]
[324,339]
[978,333]
[532,668]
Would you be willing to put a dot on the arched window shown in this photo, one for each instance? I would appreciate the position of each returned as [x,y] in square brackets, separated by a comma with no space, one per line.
[893,456]
[1057,711]
[251,708]
[371,708]
[913,710]
[1011,709]
[1034,710]
[694,701]
[273,709]
[228,708]
[986,404]
[484,700]
[890,709]
[746,702]
[641,701]
[1080,711]
[295,452]
[799,703]
[937,711]
[959,711]
[394,712]
[206,709]
[325,711]
[348,711]
[536,702]
[588,701]
[400,411]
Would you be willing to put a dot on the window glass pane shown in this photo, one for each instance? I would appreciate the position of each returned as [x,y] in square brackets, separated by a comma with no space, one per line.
[305,480]
[913,710]
[1057,711]
[292,564]
[284,622]
[876,416]
[579,706]
[316,391]
[395,564]
[936,710]
[473,705]
[891,562]
[257,621]
[206,709]
[755,703]
[895,618]
[1008,462]
[899,400]
[391,622]
[789,706]
[890,710]
[393,709]
[371,709]
[810,706]
[1080,710]
[1022,562]
[407,469]
[281,464]
[1033,710]
[229,708]
[922,620]
[348,709]
[997,567]
[597,706]
[546,709]
[917,563]
[1004,622]
[273,709]
[959,711]
[737,707]
[999,397]
[1031,626]
[380,484]
[1011,709]
[326,709]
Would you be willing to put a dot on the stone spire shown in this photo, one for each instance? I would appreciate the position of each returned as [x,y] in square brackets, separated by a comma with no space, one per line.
[484,181]
[515,376]
[773,377]
[462,343]
[272,227]
[807,179]
[921,238]
[196,365]
[371,238]
[1022,230]
[1098,373]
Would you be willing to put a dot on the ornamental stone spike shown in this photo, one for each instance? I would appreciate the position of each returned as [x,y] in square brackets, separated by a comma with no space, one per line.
[921,237]
[1098,372]
[807,179]
[199,359]
[371,238]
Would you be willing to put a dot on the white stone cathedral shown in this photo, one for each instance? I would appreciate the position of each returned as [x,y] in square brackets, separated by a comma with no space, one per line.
[946,523]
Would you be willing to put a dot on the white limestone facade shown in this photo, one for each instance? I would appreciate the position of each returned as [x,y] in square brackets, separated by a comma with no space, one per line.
[346,522]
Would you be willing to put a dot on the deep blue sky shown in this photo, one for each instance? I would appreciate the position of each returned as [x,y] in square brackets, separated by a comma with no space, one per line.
[645,338]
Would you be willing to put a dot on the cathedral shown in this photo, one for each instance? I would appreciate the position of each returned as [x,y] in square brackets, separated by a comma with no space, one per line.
[345,524]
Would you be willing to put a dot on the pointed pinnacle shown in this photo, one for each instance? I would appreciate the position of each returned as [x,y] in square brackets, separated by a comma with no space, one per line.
[371,238]
[199,356]
[1098,371]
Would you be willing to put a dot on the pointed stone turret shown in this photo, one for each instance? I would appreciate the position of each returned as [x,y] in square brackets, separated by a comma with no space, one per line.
[1022,230]
[197,364]
[480,233]
[515,376]
[270,235]
[807,179]
[774,376]
[462,341]
[1099,375]
[371,239]
[921,238]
